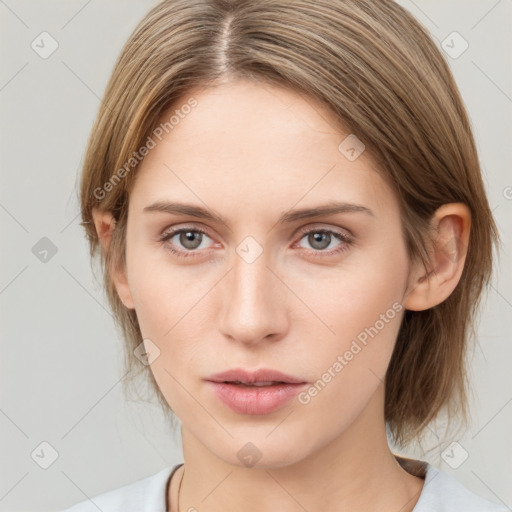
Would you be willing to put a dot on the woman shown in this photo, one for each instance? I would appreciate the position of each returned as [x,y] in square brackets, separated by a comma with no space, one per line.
[288,204]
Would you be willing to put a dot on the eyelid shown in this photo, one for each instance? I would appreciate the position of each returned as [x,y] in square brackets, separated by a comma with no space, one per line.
[302,230]
[169,233]
[346,240]
[344,232]
[344,236]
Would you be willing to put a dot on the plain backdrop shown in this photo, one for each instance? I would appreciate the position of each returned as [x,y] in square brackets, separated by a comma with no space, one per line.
[61,402]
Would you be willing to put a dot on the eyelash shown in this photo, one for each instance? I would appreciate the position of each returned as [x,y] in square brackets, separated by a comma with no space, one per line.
[342,237]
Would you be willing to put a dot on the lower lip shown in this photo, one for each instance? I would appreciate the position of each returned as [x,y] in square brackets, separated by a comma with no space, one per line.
[253,399]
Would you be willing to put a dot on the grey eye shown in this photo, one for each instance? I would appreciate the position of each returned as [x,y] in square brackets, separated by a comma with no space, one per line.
[190,239]
[319,240]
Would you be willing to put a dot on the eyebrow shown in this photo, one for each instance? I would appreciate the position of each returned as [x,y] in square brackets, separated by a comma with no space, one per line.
[290,216]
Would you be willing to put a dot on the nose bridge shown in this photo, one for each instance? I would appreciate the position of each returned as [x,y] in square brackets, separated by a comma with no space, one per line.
[253,305]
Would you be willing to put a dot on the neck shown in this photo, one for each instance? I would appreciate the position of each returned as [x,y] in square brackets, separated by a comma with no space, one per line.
[354,471]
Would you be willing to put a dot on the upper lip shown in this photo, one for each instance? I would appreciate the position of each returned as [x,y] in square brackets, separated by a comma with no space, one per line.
[250,377]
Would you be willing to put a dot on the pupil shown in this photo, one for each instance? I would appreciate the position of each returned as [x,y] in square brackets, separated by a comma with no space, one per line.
[189,242]
[317,238]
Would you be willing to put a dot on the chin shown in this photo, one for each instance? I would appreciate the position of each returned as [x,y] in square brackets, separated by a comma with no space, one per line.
[263,452]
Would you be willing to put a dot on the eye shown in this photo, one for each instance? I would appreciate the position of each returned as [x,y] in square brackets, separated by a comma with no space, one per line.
[188,240]
[326,241]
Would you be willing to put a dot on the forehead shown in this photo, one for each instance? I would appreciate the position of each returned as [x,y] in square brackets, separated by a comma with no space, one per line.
[255,145]
[242,118]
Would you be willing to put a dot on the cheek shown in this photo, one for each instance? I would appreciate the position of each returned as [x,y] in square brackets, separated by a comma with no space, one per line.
[160,292]
[168,312]
[362,305]
[365,290]
[171,303]
[351,368]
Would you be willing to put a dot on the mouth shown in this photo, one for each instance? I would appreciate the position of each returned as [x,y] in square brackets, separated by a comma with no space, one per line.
[254,384]
[261,377]
[260,392]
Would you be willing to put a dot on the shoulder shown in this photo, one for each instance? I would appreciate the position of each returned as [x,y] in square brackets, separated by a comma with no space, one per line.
[144,495]
[443,493]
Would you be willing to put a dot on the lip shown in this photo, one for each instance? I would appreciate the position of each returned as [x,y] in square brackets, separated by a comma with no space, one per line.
[249,377]
[254,400]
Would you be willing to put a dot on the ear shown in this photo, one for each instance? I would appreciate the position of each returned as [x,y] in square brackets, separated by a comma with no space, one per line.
[105,224]
[451,225]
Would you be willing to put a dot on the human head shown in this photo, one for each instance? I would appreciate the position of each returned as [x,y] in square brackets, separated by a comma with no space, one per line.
[370,70]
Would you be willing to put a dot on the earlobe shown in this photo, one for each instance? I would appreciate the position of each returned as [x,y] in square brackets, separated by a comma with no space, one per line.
[451,228]
[105,224]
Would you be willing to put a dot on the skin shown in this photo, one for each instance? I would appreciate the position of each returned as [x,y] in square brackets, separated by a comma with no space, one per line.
[251,152]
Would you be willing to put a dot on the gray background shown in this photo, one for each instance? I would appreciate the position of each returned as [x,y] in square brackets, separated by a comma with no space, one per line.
[60,353]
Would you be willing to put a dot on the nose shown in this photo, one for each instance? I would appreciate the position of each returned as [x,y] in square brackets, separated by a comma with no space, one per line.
[254,303]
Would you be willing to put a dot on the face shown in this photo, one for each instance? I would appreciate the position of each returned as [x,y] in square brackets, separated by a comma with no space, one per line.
[260,283]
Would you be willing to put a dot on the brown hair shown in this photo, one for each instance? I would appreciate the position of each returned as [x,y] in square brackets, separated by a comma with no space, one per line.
[382,76]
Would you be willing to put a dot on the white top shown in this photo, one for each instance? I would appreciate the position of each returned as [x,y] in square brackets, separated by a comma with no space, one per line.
[441,493]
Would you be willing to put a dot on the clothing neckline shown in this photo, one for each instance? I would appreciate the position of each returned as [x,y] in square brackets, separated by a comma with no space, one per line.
[168,485]
[414,467]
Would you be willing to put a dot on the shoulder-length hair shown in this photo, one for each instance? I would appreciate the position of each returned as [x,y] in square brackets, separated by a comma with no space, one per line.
[382,76]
